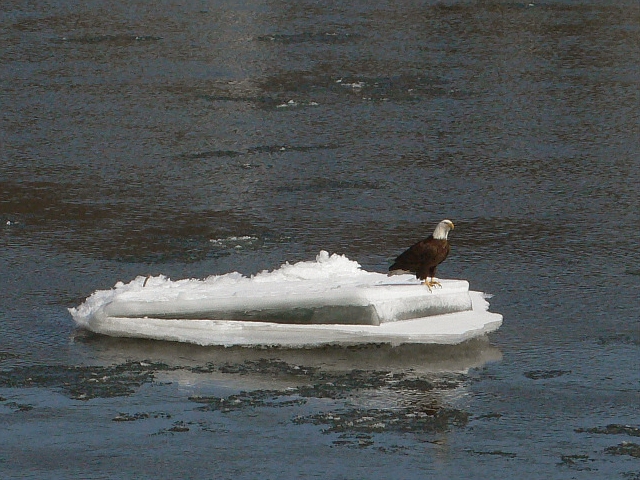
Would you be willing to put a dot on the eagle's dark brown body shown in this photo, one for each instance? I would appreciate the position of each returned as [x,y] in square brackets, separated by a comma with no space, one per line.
[423,258]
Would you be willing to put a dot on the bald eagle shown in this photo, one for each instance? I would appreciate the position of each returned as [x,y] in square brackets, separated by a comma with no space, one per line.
[423,257]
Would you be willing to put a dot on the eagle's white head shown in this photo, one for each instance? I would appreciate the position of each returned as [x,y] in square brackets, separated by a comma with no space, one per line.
[442,230]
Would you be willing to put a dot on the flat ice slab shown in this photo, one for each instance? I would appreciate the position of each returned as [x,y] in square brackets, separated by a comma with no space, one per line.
[329,300]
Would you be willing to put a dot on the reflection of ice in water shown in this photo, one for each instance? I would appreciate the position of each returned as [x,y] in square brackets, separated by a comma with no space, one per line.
[395,399]
[376,377]
[282,367]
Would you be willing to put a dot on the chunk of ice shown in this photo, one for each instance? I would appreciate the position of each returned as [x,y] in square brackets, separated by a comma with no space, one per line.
[285,306]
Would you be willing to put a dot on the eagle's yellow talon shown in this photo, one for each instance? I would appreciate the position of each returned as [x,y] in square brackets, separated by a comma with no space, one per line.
[432,284]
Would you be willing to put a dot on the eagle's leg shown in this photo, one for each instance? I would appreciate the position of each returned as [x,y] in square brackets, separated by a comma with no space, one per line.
[432,283]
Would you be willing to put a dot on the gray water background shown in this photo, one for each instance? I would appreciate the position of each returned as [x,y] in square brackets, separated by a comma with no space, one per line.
[141,138]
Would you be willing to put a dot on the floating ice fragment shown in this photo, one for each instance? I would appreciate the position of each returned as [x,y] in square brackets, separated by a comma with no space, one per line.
[293,103]
[329,300]
[290,103]
[355,85]
[234,241]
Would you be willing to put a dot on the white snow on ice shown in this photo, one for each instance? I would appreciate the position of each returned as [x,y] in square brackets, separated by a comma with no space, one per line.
[329,300]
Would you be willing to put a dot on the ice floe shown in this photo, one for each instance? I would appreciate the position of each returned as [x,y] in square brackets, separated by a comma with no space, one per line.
[331,300]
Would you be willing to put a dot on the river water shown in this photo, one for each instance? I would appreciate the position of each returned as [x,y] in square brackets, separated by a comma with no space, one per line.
[197,138]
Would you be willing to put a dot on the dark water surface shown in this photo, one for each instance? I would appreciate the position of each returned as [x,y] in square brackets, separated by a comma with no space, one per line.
[197,138]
